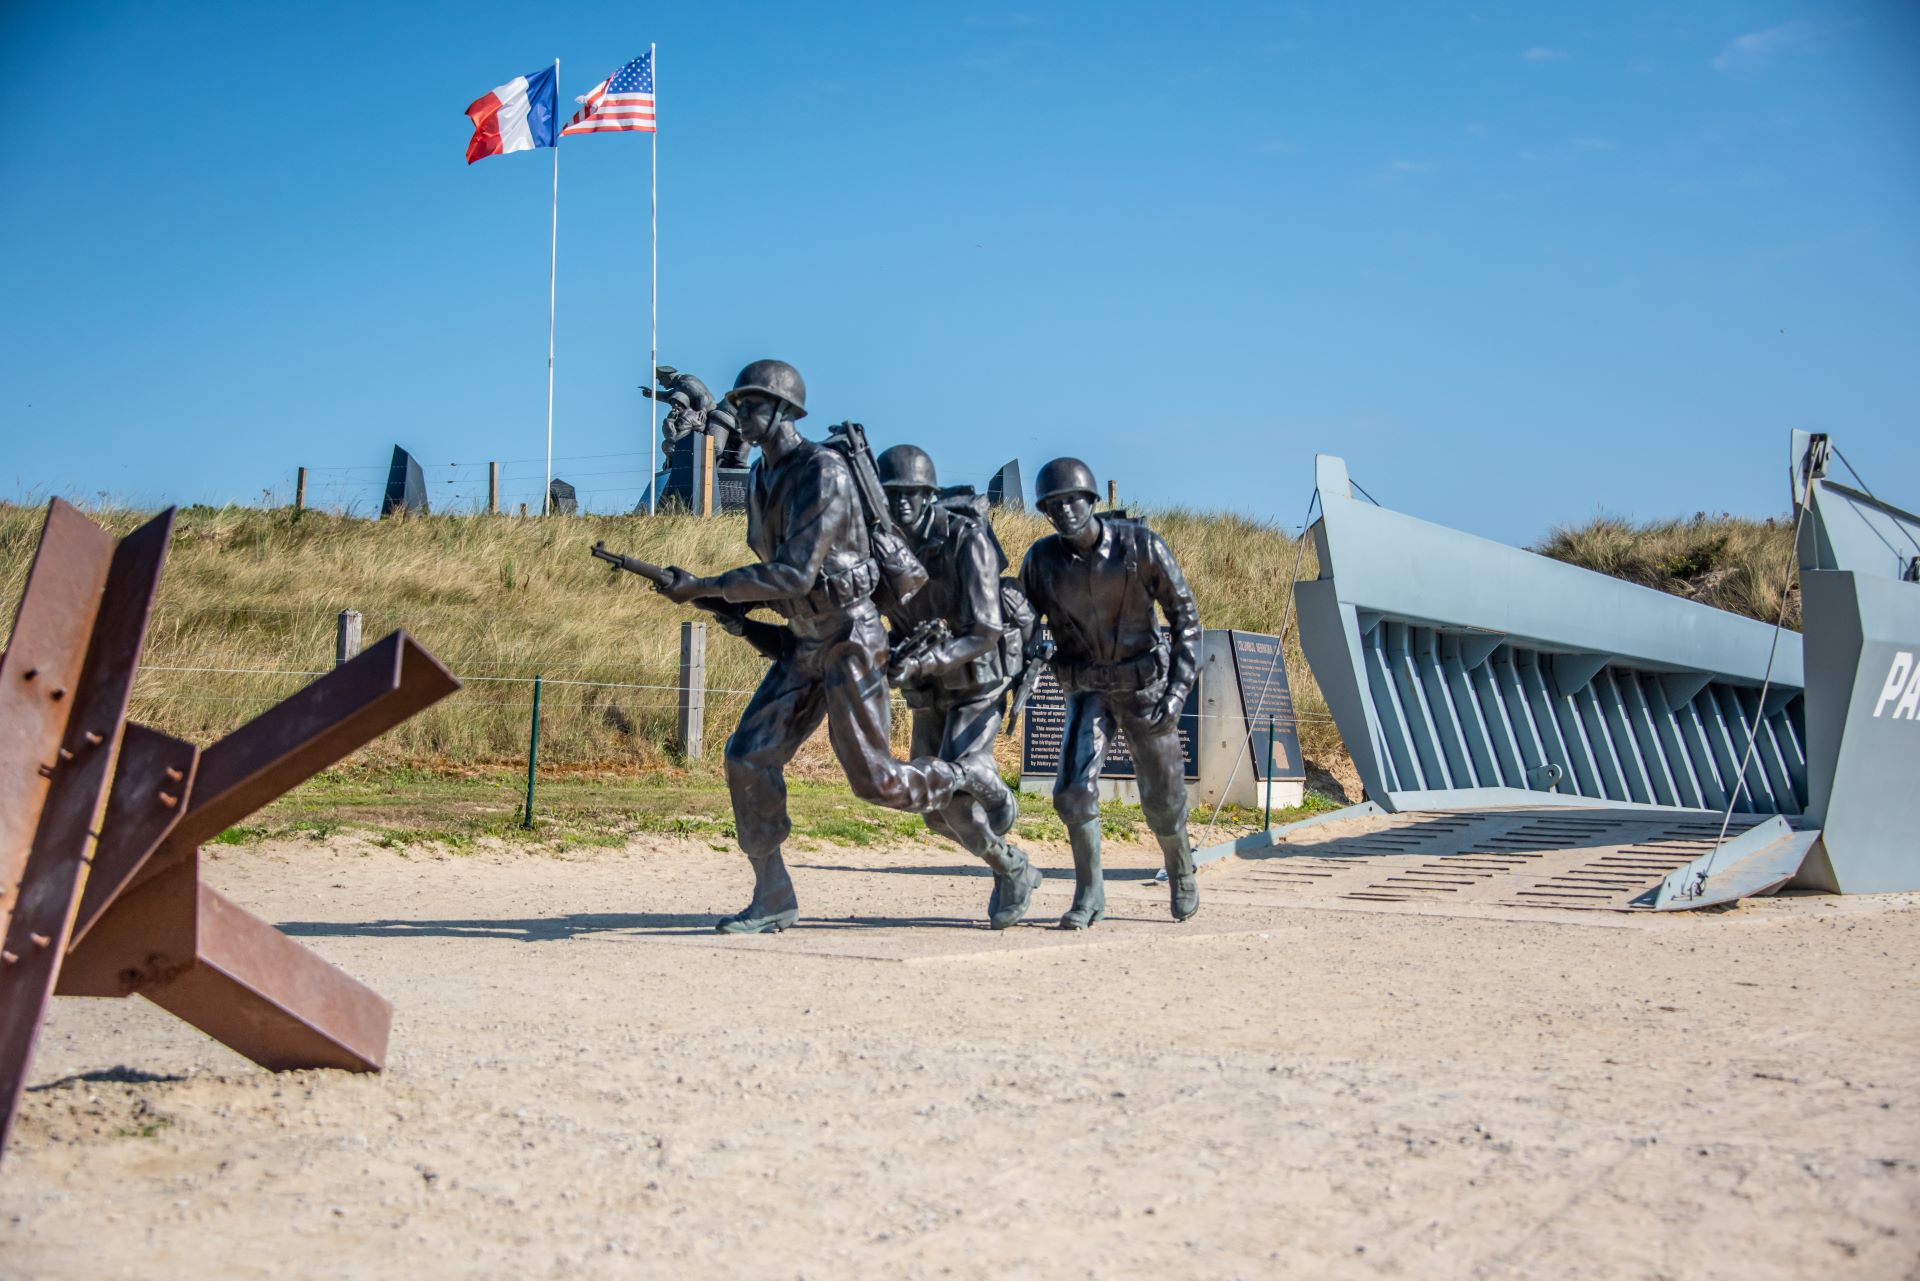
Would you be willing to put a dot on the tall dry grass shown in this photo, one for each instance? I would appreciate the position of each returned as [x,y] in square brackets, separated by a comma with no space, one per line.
[1728,562]
[248,605]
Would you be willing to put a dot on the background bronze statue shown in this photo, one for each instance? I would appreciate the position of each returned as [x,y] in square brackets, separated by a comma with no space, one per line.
[812,527]
[691,410]
[1097,581]
[957,644]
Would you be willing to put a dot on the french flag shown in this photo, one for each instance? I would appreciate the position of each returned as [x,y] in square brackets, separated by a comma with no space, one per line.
[518,116]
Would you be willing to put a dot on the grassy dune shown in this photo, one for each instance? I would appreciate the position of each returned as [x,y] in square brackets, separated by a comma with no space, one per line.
[248,605]
[1728,562]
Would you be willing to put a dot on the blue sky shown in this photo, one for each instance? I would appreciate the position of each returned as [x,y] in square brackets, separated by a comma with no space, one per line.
[1517,262]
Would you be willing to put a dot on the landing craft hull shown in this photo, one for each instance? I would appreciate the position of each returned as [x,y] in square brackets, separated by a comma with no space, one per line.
[1463,673]
[1867,766]
[1466,677]
[1858,561]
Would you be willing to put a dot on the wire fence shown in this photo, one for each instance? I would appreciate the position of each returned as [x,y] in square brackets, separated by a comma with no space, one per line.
[147,672]
[250,611]
[583,722]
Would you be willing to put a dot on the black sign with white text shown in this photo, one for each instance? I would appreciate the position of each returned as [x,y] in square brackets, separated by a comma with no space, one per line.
[1260,667]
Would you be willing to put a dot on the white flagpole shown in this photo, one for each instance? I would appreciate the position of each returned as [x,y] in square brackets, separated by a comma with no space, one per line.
[653,272]
[553,262]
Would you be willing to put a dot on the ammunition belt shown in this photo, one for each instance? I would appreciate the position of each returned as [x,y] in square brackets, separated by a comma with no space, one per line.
[1125,677]
[848,586]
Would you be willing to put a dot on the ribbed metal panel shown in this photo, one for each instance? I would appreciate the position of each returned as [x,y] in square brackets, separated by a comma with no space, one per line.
[1449,719]
[1463,673]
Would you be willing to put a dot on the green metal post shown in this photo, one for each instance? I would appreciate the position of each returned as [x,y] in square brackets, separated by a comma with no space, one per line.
[1268,779]
[533,753]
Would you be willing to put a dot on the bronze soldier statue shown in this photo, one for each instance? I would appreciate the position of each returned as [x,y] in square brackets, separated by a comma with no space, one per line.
[953,661]
[807,522]
[1096,581]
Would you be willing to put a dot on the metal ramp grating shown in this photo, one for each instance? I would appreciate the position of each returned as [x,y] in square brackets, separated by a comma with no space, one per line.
[1451,719]
[1539,858]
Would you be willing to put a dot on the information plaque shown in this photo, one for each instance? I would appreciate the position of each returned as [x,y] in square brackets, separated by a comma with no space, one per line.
[1045,724]
[1260,668]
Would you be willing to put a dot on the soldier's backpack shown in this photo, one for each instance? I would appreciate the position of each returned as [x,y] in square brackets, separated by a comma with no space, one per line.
[1017,619]
[900,569]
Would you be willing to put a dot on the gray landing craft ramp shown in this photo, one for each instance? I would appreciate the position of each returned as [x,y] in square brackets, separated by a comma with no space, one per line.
[1502,861]
[1533,733]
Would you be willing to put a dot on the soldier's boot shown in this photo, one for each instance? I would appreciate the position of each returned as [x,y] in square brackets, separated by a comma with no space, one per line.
[1183,887]
[1089,890]
[1014,881]
[775,906]
[981,780]
[1002,813]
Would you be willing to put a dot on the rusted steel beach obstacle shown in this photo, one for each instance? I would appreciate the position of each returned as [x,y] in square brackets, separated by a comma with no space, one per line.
[101,821]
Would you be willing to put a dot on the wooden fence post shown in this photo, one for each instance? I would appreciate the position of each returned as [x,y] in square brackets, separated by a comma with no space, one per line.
[1113,492]
[693,688]
[300,489]
[703,476]
[493,489]
[346,637]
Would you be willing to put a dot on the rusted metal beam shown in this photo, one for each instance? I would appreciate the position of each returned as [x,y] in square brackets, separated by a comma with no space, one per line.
[142,922]
[147,936]
[151,780]
[199,956]
[38,672]
[152,929]
[204,959]
[36,933]
[289,743]
[258,992]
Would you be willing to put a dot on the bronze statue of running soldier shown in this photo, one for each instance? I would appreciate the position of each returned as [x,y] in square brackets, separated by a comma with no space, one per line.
[823,551]
[956,649]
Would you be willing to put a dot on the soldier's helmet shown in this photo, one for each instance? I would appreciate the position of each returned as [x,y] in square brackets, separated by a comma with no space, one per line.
[1061,477]
[906,467]
[775,378]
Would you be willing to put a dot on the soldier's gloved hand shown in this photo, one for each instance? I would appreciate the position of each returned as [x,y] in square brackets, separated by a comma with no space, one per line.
[909,669]
[684,587]
[1168,706]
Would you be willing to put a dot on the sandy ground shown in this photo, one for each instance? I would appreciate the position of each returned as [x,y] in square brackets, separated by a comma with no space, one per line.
[584,1083]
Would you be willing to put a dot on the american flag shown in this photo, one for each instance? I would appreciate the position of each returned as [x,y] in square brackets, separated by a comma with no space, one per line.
[624,100]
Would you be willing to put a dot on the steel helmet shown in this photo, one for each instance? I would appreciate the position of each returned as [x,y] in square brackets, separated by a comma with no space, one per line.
[906,467]
[1064,476]
[775,378]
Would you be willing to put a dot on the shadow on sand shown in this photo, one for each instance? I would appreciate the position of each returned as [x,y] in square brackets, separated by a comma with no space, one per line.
[113,1075]
[556,928]
[975,869]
